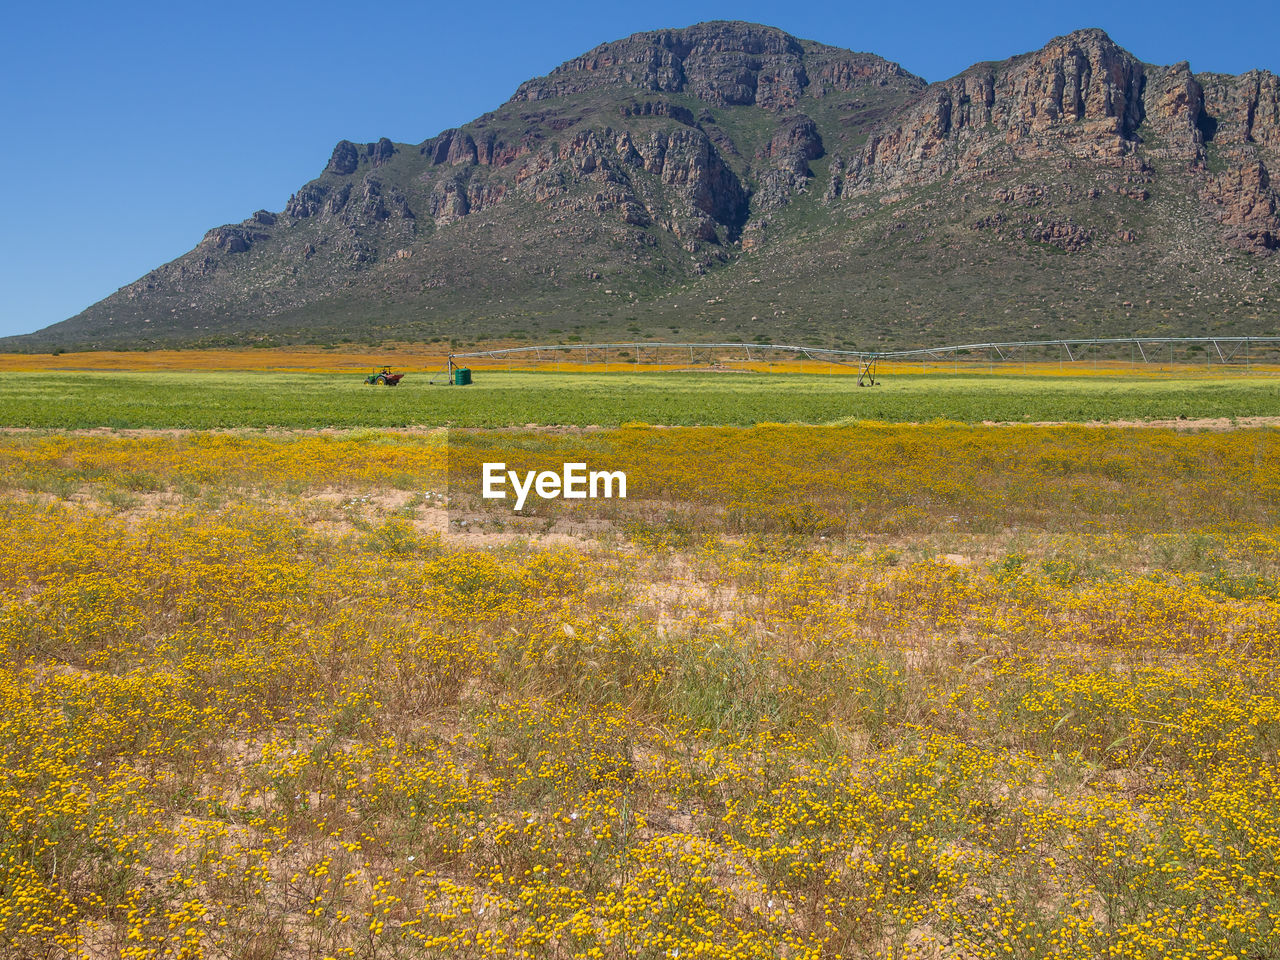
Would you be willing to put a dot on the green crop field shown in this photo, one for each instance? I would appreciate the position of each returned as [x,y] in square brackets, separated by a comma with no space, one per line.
[203,400]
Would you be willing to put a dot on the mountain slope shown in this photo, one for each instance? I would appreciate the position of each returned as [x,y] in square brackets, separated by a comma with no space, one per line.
[730,180]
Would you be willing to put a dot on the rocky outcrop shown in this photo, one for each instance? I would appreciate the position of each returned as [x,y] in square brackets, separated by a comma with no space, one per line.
[794,145]
[1173,108]
[455,197]
[345,159]
[1064,235]
[1244,110]
[660,109]
[1022,194]
[788,153]
[337,201]
[1243,200]
[232,239]
[380,152]
[847,73]
[722,63]
[1070,237]
[374,203]
[456,147]
[347,156]
[449,201]
[1082,98]
[307,201]
[436,150]
[462,149]
[1080,95]
[687,160]
[702,199]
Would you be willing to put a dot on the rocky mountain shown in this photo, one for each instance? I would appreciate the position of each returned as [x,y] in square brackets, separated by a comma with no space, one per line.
[728,180]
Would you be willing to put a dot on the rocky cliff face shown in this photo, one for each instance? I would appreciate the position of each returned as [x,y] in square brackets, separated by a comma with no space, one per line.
[1242,117]
[730,150]
[1080,97]
[1083,98]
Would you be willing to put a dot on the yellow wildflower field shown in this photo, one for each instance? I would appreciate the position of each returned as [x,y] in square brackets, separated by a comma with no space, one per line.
[867,691]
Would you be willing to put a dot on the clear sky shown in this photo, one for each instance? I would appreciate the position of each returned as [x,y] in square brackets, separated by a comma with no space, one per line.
[129,129]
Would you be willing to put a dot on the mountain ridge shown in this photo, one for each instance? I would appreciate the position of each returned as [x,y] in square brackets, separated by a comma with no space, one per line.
[730,178]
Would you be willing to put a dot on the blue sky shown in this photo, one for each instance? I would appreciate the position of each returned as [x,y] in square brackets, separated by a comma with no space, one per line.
[132,128]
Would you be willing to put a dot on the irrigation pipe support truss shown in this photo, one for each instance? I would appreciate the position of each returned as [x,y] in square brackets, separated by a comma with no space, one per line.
[1238,351]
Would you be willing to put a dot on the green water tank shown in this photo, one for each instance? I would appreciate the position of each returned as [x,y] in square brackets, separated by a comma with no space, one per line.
[462,376]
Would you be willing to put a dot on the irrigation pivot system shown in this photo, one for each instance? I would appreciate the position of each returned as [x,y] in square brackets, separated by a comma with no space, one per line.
[1244,353]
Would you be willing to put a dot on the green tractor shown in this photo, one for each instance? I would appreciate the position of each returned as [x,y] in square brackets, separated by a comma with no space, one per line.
[385,377]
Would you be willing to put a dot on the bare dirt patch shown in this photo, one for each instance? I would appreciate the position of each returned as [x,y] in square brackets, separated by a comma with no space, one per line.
[1182,423]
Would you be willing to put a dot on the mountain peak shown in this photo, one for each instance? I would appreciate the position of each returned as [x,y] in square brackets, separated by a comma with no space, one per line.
[722,62]
[737,36]
[1084,35]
